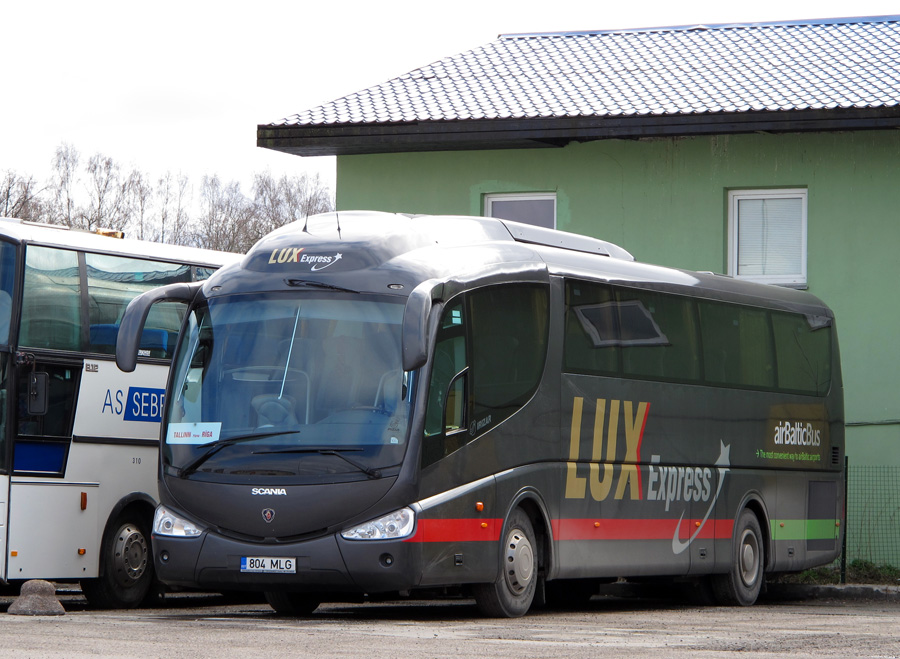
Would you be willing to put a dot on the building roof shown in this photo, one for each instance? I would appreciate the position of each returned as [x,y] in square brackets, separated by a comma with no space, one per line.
[529,90]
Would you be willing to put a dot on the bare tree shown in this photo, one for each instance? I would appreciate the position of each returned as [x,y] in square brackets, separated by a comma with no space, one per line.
[289,199]
[101,196]
[173,199]
[108,196]
[139,195]
[19,197]
[63,209]
[226,217]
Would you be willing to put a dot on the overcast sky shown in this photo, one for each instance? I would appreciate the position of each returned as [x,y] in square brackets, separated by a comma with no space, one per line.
[181,85]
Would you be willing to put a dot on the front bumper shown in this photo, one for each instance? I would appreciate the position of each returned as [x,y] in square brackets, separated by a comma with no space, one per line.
[325,564]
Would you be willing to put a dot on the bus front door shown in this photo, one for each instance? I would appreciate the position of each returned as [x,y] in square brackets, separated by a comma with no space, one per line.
[4,523]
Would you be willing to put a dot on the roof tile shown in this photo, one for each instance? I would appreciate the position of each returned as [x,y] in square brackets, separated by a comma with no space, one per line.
[666,71]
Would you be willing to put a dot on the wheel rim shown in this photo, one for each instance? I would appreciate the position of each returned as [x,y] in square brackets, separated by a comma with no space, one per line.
[519,561]
[130,555]
[749,557]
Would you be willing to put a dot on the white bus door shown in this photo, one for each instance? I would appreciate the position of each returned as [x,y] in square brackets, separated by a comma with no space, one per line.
[4,523]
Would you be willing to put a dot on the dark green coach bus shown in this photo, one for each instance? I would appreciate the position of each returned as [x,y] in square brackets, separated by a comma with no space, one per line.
[376,404]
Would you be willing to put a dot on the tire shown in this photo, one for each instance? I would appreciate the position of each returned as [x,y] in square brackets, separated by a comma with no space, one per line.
[512,594]
[126,566]
[292,604]
[741,585]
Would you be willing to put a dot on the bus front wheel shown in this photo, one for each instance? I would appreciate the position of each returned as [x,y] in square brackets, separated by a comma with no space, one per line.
[512,593]
[126,567]
[741,585]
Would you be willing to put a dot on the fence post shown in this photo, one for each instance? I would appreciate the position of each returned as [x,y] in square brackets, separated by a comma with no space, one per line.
[846,528]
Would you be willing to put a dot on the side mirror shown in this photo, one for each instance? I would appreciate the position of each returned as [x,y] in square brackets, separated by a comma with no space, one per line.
[131,329]
[414,343]
[38,388]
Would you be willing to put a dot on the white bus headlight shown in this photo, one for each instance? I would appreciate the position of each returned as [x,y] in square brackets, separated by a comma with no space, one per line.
[398,524]
[167,523]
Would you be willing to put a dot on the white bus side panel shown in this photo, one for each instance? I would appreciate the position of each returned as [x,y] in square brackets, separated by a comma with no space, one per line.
[51,537]
[117,405]
[4,528]
[113,456]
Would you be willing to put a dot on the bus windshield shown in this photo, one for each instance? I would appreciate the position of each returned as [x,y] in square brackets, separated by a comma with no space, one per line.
[289,385]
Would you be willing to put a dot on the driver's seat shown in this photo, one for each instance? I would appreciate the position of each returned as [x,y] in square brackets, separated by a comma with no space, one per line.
[273,410]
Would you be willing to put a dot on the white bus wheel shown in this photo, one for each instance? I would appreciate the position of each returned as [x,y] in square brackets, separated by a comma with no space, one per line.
[126,566]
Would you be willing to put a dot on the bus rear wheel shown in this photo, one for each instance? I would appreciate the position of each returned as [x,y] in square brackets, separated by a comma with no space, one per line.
[292,604]
[741,585]
[126,567]
[511,595]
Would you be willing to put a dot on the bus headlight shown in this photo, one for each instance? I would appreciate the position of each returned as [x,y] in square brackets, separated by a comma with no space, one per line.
[398,524]
[167,523]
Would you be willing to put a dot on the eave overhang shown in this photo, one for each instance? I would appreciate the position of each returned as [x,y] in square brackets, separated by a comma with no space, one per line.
[530,133]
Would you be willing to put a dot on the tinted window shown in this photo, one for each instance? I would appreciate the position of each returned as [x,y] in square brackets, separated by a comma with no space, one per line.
[7,290]
[637,333]
[488,361]
[803,347]
[113,281]
[737,345]
[617,331]
[51,304]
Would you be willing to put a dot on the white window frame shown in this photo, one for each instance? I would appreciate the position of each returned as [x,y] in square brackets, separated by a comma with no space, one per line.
[793,280]
[489,200]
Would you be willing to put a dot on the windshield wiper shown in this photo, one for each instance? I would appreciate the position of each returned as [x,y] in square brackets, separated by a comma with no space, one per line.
[317,284]
[215,447]
[338,452]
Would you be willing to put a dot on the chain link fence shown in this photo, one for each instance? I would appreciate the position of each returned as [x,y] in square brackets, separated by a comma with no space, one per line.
[873,514]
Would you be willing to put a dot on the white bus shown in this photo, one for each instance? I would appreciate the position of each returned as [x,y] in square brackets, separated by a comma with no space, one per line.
[78,437]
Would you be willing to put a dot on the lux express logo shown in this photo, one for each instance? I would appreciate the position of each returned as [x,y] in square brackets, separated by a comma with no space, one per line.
[315,262]
[666,484]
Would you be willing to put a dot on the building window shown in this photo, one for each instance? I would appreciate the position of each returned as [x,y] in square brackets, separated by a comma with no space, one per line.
[536,209]
[767,236]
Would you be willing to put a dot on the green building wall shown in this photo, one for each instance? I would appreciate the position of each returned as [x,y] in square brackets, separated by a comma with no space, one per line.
[665,200]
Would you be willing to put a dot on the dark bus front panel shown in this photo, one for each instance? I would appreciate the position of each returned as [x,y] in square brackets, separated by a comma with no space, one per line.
[214,561]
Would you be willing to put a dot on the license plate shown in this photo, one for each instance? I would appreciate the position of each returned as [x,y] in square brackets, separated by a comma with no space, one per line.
[268,564]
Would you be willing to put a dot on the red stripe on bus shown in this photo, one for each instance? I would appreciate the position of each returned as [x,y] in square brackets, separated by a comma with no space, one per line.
[640,529]
[488,530]
[457,530]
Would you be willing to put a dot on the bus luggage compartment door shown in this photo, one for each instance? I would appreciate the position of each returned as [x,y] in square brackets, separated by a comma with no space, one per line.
[53,530]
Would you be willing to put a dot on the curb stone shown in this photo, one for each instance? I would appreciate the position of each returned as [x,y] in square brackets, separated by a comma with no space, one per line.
[839,592]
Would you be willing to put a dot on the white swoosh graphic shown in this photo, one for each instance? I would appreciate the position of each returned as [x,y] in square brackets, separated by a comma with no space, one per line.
[723,463]
[317,267]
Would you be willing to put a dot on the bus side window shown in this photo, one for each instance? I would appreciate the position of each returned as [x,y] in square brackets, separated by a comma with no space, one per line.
[446,404]
[112,282]
[804,351]
[51,307]
[488,361]
[737,346]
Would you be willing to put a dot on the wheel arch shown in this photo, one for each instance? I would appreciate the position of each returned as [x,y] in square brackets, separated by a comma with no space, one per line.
[754,502]
[139,501]
[529,499]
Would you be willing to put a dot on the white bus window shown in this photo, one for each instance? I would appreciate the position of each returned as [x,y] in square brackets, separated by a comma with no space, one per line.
[7,282]
[113,281]
[51,307]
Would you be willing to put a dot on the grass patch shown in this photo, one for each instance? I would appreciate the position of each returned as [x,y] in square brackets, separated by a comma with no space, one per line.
[857,572]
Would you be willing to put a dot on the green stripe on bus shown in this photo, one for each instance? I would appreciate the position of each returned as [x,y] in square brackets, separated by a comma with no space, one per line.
[804,529]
